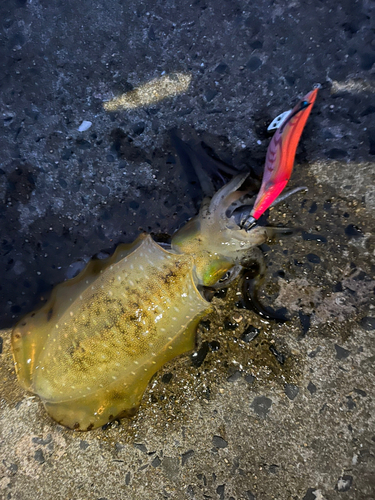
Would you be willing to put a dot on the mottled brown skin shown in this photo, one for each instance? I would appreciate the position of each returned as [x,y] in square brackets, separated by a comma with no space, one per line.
[91,350]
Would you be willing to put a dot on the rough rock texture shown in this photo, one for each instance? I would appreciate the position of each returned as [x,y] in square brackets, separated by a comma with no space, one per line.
[286,412]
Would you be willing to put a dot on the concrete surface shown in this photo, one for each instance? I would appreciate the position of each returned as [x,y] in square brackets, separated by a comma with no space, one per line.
[288,414]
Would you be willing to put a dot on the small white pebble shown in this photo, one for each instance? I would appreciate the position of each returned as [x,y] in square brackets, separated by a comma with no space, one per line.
[85,125]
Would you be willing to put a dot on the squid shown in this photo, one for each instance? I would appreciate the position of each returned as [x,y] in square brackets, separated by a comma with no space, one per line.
[91,350]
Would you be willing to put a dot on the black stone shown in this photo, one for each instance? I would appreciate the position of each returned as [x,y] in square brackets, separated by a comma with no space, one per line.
[360,392]
[341,352]
[219,442]
[368,111]
[214,345]
[141,447]
[185,456]
[261,405]
[336,154]
[139,128]
[353,231]
[278,355]
[313,208]
[337,287]
[220,491]
[313,258]
[367,323]
[305,322]
[311,388]
[156,462]
[250,333]
[291,391]
[313,237]
[344,483]
[127,478]
[254,63]
[210,94]
[1,345]
[250,496]
[249,378]
[166,378]
[229,325]
[256,44]
[39,457]
[350,403]
[222,68]
[309,495]
[234,376]
[198,357]
[367,61]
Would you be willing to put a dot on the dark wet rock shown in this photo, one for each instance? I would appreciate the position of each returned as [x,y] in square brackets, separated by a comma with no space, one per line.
[214,345]
[313,207]
[336,154]
[313,258]
[337,287]
[219,442]
[273,469]
[141,447]
[1,345]
[166,378]
[341,352]
[222,68]
[156,462]
[250,333]
[118,447]
[39,456]
[291,391]
[249,378]
[256,44]
[210,94]
[367,61]
[311,388]
[254,63]
[222,293]
[367,323]
[206,324]
[139,128]
[127,478]
[261,405]
[309,495]
[185,456]
[230,325]
[360,392]
[220,491]
[234,376]
[42,441]
[278,355]
[350,403]
[353,231]
[305,320]
[344,483]
[198,357]
[313,237]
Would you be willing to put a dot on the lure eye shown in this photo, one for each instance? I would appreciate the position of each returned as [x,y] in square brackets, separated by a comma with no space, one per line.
[304,104]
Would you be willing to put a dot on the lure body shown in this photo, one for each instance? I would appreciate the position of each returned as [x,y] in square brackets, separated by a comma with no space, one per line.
[280,154]
[91,350]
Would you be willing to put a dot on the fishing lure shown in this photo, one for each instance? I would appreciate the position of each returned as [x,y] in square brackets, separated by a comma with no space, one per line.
[91,350]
